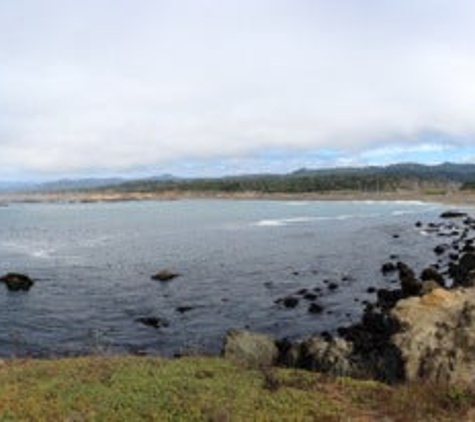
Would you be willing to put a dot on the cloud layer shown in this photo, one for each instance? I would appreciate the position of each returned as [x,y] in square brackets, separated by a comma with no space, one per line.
[114,85]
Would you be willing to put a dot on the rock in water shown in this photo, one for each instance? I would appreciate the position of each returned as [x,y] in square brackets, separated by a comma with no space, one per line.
[453,214]
[437,336]
[16,282]
[253,349]
[410,285]
[154,322]
[431,273]
[165,275]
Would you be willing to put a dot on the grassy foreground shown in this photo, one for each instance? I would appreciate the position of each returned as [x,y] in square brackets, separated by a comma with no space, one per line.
[208,389]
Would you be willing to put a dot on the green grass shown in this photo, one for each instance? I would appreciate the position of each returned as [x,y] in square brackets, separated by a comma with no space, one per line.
[207,389]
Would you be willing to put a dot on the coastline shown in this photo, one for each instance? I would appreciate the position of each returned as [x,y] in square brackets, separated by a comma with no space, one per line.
[456,198]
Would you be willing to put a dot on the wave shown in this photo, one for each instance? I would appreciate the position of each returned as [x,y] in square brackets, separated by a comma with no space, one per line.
[295,220]
[35,251]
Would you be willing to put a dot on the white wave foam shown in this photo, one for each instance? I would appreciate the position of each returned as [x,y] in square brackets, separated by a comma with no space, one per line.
[33,250]
[305,219]
[297,203]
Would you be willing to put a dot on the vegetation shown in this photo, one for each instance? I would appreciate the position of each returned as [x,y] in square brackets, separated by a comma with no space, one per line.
[411,177]
[208,389]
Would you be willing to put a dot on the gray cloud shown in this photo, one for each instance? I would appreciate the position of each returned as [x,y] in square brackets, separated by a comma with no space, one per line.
[119,84]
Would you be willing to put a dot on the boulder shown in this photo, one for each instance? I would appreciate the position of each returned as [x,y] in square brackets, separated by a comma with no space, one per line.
[253,349]
[16,282]
[165,275]
[437,336]
[325,355]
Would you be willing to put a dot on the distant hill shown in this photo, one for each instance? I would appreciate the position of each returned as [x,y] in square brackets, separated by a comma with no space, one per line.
[65,185]
[443,172]
[404,176]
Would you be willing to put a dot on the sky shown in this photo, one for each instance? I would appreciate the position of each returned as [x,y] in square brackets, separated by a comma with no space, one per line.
[211,87]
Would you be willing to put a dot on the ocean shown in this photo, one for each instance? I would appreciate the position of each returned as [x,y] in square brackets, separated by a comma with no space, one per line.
[93,264]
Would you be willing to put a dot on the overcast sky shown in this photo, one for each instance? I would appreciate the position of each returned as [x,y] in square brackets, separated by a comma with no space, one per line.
[97,87]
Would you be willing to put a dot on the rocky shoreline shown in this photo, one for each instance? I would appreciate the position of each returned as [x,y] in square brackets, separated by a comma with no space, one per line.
[424,330]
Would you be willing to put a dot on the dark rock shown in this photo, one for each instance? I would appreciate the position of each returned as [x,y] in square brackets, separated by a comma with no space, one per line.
[387,299]
[302,291]
[431,273]
[410,285]
[315,308]
[388,267]
[371,290]
[441,249]
[396,236]
[419,224]
[461,272]
[310,296]
[16,282]
[453,214]
[154,322]
[333,286]
[165,275]
[184,309]
[290,302]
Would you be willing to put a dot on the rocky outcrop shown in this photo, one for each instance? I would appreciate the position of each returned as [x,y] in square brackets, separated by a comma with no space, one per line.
[17,282]
[437,336]
[253,349]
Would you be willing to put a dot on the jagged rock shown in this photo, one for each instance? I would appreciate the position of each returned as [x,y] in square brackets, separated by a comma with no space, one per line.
[437,336]
[253,349]
[165,275]
[16,282]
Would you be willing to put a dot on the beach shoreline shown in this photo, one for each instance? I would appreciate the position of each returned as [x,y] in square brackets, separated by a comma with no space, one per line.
[456,198]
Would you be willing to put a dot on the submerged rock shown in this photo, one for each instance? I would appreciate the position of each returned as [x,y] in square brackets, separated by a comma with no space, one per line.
[153,322]
[253,349]
[315,308]
[16,282]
